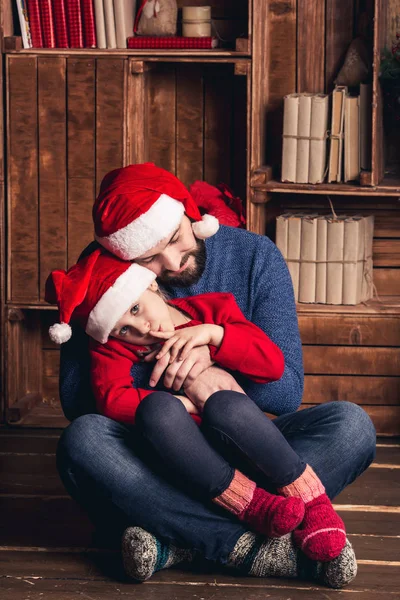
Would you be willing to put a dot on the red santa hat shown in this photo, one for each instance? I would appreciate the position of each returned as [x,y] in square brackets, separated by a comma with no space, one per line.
[95,292]
[140,205]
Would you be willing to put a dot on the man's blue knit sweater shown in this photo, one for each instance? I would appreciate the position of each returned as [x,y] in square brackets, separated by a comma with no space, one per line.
[253,270]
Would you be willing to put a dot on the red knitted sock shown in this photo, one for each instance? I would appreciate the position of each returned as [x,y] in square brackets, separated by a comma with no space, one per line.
[322,535]
[265,513]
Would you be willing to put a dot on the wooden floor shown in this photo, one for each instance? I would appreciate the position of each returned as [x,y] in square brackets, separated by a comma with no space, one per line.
[46,549]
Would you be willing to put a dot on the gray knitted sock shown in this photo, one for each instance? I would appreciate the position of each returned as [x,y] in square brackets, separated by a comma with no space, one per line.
[341,570]
[278,557]
[143,554]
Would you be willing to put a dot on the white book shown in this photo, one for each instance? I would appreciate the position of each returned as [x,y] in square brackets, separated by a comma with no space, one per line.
[293,251]
[318,142]
[320,285]
[289,145]
[124,12]
[308,256]
[281,236]
[303,142]
[336,134]
[100,24]
[24,23]
[110,24]
[351,138]
[353,248]
[334,268]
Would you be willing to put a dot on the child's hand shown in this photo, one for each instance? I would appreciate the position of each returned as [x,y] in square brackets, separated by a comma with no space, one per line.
[180,343]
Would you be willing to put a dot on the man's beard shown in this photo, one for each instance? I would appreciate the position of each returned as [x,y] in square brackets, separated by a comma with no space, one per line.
[190,275]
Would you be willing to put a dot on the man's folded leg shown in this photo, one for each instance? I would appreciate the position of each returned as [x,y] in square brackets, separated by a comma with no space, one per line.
[337,439]
[104,470]
[101,469]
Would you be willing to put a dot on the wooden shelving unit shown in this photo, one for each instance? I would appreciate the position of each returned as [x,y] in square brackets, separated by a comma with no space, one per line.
[73,115]
[350,353]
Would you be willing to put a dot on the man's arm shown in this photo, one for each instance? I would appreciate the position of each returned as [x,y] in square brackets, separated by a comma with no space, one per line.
[208,382]
[274,311]
[76,394]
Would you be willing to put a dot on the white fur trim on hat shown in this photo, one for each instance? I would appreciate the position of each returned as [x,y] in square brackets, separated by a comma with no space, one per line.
[148,230]
[206,227]
[60,333]
[116,300]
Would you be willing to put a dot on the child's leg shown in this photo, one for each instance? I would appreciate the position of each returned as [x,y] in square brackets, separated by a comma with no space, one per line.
[236,420]
[178,441]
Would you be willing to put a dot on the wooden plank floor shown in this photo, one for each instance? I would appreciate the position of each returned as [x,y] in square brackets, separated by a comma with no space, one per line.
[46,546]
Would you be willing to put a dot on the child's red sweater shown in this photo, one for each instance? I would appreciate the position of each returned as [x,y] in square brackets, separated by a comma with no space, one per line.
[245,348]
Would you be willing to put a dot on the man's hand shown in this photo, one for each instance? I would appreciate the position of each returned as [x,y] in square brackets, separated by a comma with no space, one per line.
[207,383]
[188,404]
[180,373]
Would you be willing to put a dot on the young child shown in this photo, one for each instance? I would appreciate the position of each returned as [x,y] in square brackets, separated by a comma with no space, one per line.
[120,308]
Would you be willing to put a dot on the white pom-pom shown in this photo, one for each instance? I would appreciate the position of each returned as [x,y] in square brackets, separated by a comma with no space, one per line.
[206,227]
[60,333]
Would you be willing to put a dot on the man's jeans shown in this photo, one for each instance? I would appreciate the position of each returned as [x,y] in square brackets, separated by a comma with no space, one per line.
[107,470]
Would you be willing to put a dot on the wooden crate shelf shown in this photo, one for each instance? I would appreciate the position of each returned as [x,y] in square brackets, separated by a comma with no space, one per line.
[155,55]
[388,187]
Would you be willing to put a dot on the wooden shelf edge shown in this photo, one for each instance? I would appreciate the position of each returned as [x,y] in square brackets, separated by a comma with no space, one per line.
[387,305]
[339,189]
[122,52]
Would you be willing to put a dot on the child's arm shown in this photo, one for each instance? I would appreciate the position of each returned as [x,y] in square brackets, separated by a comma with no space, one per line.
[179,343]
[237,344]
[112,382]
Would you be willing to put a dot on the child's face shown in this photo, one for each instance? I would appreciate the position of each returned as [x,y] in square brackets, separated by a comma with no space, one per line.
[149,313]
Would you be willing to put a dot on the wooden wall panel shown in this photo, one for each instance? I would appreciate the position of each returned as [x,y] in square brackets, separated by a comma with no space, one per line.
[387,282]
[377,101]
[137,113]
[338,35]
[352,330]
[161,109]
[385,418]
[52,166]
[81,153]
[240,125]
[386,253]
[344,360]
[23,282]
[23,358]
[110,115]
[189,123]
[280,72]
[353,388]
[217,125]
[310,46]
[80,224]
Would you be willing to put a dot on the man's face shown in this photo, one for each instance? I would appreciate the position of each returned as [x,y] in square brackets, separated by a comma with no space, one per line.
[177,260]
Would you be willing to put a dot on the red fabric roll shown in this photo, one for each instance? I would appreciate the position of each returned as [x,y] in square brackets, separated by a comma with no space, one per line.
[74,21]
[34,23]
[60,24]
[46,15]
[89,28]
